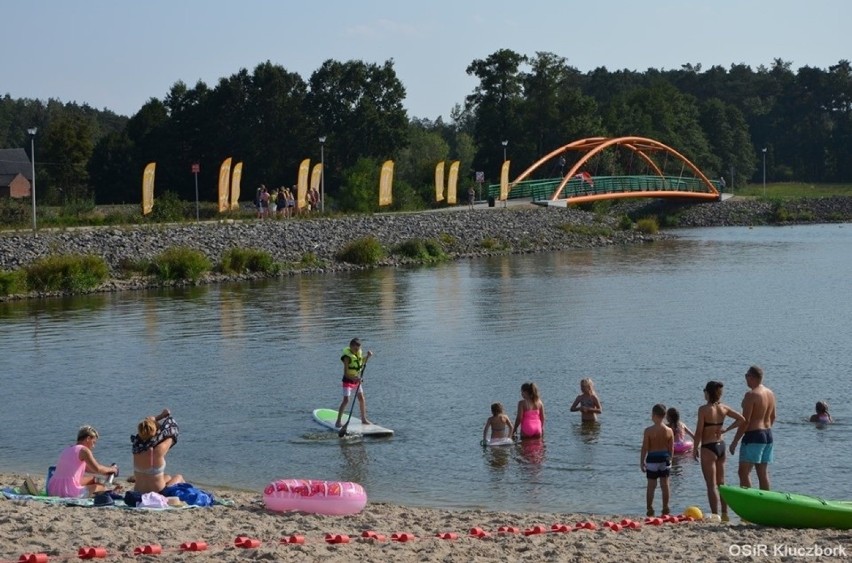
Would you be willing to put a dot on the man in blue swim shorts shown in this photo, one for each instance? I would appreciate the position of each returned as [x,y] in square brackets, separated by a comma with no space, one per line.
[756,431]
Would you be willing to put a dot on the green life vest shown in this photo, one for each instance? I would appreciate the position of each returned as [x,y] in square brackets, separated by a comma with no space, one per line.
[356,362]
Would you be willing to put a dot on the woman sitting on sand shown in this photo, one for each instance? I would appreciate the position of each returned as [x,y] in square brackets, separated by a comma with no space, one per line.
[157,434]
[69,479]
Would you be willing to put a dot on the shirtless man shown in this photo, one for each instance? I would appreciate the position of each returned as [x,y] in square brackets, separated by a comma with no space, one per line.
[756,431]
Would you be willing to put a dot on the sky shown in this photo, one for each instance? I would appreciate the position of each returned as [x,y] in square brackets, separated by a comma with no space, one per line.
[116,55]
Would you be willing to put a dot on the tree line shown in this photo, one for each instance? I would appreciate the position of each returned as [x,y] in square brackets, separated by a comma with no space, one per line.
[271,119]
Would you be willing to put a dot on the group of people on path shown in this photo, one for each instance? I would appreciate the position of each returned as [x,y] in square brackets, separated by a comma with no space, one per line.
[281,202]
[78,473]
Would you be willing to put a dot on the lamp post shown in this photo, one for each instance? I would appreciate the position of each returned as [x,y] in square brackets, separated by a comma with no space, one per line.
[32,132]
[505,144]
[764,171]
[322,176]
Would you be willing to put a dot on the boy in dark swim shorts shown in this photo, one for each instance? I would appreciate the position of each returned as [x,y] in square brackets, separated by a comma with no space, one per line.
[656,457]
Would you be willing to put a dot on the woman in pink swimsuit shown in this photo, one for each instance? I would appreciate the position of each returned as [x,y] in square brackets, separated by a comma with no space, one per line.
[530,419]
[69,480]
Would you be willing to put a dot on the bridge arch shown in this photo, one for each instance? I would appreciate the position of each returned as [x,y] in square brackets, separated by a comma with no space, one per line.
[641,146]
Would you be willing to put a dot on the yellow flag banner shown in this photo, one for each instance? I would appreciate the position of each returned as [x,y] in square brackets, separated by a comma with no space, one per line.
[302,187]
[236,177]
[224,184]
[452,182]
[439,181]
[386,184]
[316,175]
[504,181]
[148,188]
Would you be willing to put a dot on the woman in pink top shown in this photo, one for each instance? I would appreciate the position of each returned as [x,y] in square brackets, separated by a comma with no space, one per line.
[69,480]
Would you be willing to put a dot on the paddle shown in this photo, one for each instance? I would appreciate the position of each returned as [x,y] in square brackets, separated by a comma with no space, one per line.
[342,432]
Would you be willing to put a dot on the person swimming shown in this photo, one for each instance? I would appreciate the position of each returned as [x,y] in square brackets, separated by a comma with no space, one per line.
[822,415]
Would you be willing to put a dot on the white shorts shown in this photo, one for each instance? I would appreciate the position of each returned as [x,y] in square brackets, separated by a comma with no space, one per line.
[348,390]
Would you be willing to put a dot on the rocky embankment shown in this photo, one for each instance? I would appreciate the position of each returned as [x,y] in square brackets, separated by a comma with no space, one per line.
[462,232]
[742,211]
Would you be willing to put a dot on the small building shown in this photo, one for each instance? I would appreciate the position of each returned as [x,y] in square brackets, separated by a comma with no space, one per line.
[15,173]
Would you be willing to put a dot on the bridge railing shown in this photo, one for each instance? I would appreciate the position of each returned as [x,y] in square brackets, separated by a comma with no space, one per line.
[543,189]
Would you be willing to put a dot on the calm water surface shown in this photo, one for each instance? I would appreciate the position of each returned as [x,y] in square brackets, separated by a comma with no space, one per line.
[242,367]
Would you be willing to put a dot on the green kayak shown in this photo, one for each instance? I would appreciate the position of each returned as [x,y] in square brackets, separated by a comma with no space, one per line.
[787,510]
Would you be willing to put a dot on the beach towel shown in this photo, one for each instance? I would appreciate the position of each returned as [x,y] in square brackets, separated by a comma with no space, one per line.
[14,493]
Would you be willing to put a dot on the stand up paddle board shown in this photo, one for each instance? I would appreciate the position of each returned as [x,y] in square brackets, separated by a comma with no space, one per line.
[497,442]
[328,418]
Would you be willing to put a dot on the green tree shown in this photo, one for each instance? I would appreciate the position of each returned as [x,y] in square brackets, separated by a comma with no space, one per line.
[496,104]
[68,145]
[358,108]
[360,187]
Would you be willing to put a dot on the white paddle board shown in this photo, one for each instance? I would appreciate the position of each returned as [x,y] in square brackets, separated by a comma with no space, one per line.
[496,442]
[328,418]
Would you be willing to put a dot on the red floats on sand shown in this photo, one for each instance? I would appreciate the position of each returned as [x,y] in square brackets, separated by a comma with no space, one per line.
[318,497]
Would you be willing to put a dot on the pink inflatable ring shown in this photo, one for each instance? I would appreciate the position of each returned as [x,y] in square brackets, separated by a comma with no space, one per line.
[318,497]
[683,446]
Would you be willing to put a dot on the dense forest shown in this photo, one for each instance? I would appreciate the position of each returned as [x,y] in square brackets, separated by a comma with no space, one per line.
[271,119]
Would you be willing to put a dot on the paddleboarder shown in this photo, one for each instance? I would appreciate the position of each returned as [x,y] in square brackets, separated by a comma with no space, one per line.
[353,366]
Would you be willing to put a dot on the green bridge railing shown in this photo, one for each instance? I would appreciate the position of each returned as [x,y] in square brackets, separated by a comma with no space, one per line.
[543,189]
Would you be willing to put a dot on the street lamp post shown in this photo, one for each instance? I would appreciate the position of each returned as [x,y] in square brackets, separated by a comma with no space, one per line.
[32,132]
[322,176]
[505,144]
[764,171]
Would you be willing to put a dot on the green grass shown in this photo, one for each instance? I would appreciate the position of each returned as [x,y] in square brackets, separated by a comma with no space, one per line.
[587,230]
[793,190]
[364,251]
[648,225]
[71,272]
[422,250]
[13,282]
[241,260]
[180,263]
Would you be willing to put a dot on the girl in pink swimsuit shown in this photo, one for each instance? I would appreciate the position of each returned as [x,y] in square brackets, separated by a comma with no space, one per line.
[530,419]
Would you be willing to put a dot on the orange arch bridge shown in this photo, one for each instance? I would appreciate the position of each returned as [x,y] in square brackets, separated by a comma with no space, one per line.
[577,186]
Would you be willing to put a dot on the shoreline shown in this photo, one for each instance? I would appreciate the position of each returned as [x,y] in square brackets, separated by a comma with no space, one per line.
[464,234]
[32,527]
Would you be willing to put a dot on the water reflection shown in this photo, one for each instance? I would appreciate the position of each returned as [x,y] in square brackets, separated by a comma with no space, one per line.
[499,456]
[588,431]
[356,466]
[532,451]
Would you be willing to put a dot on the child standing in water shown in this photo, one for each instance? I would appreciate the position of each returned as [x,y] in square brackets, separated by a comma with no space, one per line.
[587,402]
[656,457]
[499,423]
[530,419]
[821,416]
[678,428]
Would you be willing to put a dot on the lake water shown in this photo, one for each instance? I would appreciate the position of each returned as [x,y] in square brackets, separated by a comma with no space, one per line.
[242,367]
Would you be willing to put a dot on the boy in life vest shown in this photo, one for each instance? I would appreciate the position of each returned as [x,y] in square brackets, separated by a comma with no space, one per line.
[353,366]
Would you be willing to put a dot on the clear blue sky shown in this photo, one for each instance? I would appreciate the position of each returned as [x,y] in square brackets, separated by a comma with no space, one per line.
[117,54]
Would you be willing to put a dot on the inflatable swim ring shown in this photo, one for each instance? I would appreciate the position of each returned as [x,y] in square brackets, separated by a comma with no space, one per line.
[683,446]
[318,497]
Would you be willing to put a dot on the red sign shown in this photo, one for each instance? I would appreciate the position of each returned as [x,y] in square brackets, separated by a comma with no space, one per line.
[196,168]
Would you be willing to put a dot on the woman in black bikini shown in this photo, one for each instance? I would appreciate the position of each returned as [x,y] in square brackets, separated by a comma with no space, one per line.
[709,444]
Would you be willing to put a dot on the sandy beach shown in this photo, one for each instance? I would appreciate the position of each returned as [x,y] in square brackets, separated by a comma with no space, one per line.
[31,527]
